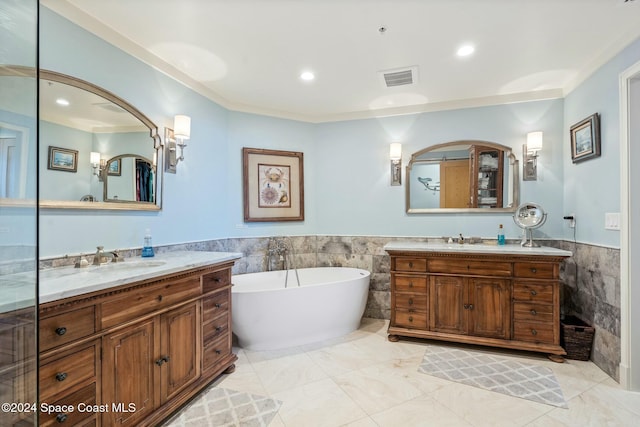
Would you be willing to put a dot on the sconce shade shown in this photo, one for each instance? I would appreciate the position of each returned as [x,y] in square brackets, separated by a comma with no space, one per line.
[95,158]
[395,151]
[182,127]
[534,142]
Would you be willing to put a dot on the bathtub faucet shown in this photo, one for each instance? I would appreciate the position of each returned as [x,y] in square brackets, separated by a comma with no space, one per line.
[281,248]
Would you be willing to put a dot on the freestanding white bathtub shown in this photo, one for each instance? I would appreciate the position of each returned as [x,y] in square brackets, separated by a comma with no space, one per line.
[329,303]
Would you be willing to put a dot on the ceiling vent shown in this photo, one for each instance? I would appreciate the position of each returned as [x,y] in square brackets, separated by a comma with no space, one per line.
[110,107]
[399,76]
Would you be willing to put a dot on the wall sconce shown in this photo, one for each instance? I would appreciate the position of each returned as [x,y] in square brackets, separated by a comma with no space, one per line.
[395,154]
[97,163]
[175,139]
[530,156]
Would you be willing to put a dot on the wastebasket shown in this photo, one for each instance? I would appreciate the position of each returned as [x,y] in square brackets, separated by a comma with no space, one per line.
[576,338]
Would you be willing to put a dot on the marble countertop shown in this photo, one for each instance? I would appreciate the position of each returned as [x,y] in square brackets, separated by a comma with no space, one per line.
[64,282]
[475,248]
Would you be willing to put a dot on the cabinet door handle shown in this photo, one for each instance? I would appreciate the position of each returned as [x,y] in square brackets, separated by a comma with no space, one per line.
[533,292]
[534,312]
[465,306]
[61,330]
[534,332]
[60,418]
[61,376]
[470,306]
[162,360]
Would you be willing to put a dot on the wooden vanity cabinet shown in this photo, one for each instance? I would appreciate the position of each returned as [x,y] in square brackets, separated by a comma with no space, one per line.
[510,301]
[137,351]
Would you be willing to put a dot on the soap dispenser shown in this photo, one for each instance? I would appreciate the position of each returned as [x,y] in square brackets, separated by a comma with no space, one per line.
[147,249]
[501,239]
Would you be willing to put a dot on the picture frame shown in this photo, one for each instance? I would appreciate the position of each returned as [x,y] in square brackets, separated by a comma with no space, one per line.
[273,185]
[585,139]
[115,168]
[62,159]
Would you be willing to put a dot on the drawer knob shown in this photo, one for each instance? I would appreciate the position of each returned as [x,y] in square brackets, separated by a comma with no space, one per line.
[411,284]
[533,292]
[534,332]
[60,418]
[534,270]
[61,376]
[61,331]
[218,351]
[534,312]
[410,318]
[218,328]
[410,301]
[410,264]
[217,305]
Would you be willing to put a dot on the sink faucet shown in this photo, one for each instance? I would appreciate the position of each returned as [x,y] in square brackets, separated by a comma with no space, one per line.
[102,257]
[461,239]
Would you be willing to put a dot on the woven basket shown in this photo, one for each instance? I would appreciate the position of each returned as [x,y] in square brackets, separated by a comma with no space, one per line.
[577,338]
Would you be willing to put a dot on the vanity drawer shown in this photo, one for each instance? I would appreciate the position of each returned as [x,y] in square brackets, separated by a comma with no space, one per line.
[215,328]
[215,305]
[477,268]
[216,280]
[534,270]
[61,374]
[532,312]
[215,351]
[86,395]
[411,301]
[410,264]
[410,283]
[533,292]
[136,302]
[66,327]
[410,319]
[533,332]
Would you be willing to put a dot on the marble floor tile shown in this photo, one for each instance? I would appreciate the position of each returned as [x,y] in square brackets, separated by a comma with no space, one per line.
[288,372]
[421,411]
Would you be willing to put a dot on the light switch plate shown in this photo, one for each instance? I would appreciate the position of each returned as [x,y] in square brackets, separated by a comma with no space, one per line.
[612,221]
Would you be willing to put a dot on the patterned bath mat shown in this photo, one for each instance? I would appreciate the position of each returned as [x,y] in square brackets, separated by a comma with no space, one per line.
[220,407]
[536,383]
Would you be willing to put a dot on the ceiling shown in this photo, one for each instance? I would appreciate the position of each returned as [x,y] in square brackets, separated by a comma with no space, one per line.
[247,55]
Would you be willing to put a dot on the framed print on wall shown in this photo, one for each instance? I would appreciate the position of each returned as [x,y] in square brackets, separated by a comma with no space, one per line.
[273,185]
[585,139]
[62,159]
[115,168]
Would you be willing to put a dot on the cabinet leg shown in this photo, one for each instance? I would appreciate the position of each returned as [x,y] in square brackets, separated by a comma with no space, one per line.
[230,369]
[393,338]
[556,358]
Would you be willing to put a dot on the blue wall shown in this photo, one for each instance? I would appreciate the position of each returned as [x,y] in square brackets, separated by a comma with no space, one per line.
[346,163]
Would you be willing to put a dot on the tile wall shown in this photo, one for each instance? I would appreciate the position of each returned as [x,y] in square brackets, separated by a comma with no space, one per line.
[591,278]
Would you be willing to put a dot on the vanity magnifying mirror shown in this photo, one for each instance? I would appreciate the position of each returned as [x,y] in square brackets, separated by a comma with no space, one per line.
[462,177]
[93,121]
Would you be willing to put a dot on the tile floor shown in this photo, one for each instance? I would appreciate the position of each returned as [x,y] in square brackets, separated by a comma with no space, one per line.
[362,380]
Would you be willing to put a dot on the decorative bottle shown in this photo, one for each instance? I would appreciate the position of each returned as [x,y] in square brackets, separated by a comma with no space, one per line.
[147,249]
[501,239]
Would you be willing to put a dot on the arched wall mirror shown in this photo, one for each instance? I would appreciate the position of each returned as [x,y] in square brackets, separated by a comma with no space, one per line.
[462,177]
[97,151]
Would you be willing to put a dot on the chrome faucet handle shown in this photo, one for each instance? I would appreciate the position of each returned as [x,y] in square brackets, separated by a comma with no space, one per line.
[115,256]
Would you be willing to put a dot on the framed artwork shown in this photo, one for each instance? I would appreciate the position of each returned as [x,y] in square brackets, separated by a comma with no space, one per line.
[115,168]
[273,185]
[585,139]
[62,159]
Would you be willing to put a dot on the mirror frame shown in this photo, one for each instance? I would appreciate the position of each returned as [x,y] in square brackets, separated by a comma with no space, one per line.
[17,70]
[513,164]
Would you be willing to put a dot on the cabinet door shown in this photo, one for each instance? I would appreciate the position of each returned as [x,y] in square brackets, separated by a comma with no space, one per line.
[129,374]
[180,349]
[489,307]
[447,304]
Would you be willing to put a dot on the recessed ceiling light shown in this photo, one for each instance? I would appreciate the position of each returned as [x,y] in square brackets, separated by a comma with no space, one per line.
[465,50]
[307,76]
[62,101]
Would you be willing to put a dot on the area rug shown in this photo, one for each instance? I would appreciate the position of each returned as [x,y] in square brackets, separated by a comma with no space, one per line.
[220,407]
[502,375]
